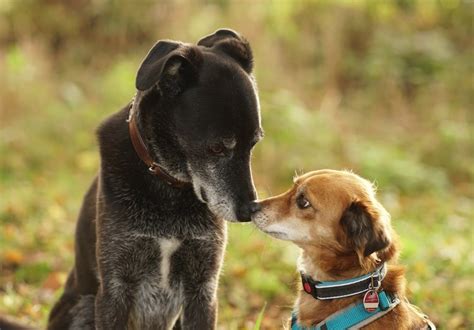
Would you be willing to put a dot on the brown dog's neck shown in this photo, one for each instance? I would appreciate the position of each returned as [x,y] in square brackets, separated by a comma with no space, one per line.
[333,265]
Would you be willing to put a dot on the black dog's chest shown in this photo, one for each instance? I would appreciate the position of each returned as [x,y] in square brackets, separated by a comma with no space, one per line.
[180,264]
[158,294]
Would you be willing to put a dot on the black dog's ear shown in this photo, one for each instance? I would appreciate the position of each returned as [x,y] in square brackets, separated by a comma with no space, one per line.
[170,64]
[232,44]
[364,227]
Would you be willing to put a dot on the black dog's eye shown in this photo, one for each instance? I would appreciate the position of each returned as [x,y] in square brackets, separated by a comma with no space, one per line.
[302,202]
[217,149]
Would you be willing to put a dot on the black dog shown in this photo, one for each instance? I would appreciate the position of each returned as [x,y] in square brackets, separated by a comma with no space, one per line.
[174,163]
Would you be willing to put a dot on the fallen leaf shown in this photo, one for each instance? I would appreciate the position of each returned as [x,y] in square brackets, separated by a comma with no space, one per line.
[13,257]
[54,281]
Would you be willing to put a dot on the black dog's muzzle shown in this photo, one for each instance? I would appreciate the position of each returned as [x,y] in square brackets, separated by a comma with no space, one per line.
[245,212]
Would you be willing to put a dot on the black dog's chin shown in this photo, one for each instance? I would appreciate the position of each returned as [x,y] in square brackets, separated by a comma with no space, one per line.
[203,195]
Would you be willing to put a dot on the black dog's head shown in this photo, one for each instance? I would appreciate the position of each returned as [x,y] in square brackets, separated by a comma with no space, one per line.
[199,113]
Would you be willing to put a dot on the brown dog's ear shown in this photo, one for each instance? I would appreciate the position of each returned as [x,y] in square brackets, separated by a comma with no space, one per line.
[171,64]
[232,44]
[365,228]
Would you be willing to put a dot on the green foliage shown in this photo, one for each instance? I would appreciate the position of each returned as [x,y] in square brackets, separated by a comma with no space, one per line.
[33,273]
[259,319]
[380,87]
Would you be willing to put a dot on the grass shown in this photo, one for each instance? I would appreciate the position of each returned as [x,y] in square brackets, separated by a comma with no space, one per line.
[388,94]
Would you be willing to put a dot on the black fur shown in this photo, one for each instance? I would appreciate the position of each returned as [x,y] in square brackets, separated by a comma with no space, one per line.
[189,97]
[232,44]
[163,55]
[359,227]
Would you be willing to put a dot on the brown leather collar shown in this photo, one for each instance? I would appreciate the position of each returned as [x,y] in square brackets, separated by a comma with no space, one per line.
[142,152]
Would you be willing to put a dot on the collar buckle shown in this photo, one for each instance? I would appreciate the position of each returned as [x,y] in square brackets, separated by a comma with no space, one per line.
[152,168]
[308,285]
[375,281]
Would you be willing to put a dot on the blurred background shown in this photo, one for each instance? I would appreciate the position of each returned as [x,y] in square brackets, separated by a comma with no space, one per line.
[381,87]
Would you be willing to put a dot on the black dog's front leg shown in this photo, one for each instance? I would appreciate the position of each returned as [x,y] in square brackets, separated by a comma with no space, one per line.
[200,312]
[199,284]
[112,306]
[114,296]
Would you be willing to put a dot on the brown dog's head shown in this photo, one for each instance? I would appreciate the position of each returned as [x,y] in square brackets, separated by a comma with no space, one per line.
[330,211]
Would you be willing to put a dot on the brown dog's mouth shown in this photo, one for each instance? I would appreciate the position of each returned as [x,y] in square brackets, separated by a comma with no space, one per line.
[277,234]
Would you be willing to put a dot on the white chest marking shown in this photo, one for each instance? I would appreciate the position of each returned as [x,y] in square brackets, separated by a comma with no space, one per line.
[168,246]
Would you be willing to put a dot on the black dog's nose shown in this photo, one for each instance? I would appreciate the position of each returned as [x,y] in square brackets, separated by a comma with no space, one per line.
[254,207]
[247,210]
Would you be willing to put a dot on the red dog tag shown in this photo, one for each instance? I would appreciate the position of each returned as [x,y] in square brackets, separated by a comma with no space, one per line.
[371,301]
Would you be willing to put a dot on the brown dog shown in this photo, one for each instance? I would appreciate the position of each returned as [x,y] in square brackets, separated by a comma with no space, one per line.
[344,234]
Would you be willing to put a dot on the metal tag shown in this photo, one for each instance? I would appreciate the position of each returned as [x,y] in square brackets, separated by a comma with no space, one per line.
[371,301]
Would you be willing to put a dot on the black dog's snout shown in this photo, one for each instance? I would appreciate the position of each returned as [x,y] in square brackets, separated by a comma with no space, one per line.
[254,207]
[247,210]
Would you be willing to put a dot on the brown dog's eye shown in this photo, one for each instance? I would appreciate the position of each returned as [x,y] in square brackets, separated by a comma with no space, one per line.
[217,149]
[302,202]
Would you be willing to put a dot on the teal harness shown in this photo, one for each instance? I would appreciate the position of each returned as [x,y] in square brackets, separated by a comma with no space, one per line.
[353,315]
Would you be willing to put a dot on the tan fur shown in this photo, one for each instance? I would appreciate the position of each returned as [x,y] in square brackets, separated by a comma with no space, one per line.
[328,254]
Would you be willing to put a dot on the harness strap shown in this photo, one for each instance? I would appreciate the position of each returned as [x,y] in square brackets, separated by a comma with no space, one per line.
[353,316]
